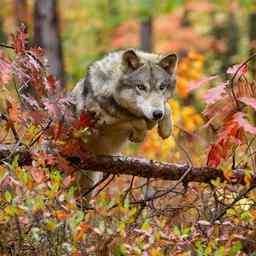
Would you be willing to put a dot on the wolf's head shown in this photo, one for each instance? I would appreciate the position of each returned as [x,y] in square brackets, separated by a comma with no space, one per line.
[147,82]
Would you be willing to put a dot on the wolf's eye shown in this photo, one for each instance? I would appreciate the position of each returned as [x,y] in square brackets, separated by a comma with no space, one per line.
[163,86]
[141,87]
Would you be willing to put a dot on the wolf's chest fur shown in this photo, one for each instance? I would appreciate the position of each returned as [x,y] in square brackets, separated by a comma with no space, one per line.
[110,139]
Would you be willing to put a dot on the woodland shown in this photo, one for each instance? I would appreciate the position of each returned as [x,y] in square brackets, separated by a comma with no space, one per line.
[192,194]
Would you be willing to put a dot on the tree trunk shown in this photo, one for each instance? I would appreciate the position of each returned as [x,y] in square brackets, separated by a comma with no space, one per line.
[146,34]
[2,34]
[226,31]
[21,11]
[252,40]
[47,35]
[232,39]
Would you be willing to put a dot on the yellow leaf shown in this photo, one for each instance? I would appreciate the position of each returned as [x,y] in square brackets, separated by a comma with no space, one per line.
[228,174]
[51,225]
[61,215]
[248,179]
[155,252]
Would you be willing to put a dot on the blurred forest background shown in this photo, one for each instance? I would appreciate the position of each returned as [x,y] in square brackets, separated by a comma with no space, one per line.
[75,33]
[209,37]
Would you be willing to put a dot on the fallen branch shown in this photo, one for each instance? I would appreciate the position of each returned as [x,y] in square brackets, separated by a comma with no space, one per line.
[148,168]
[140,167]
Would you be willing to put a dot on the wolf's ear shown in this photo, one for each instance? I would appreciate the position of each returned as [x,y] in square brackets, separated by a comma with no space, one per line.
[169,63]
[131,59]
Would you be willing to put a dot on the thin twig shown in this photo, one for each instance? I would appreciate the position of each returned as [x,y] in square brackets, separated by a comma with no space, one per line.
[6,46]
[15,134]
[95,186]
[129,188]
[101,189]
[238,198]
[19,232]
[231,81]
[40,133]
[167,191]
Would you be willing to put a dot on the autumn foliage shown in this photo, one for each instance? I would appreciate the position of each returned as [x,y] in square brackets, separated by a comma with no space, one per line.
[40,211]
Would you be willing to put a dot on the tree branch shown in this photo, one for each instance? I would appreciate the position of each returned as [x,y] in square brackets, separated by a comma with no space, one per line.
[124,165]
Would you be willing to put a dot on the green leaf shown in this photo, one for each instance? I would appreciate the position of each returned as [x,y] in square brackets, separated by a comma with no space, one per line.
[51,225]
[11,210]
[235,249]
[200,248]
[245,215]
[15,163]
[216,183]
[55,176]
[120,250]
[220,251]
[8,196]
[3,175]
[231,212]
[121,226]
[39,202]
[24,176]
[176,230]
[126,203]
[76,219]
[146,225]
[186,232]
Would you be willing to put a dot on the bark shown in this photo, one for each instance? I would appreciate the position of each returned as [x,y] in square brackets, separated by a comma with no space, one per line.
[146,34]
[21,11]
[47,35]
[135,166]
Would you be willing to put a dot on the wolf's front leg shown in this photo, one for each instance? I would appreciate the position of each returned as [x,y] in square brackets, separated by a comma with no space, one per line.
[139,130]
[165,125]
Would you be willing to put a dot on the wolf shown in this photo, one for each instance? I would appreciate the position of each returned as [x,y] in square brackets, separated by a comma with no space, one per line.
[126,92]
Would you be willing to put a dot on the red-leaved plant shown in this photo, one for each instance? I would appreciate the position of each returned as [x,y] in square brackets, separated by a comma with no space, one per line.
[229,107]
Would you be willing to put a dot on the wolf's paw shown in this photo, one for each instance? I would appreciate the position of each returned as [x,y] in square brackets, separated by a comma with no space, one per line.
[151,124]
[139,130]
[137,136]
[165,125]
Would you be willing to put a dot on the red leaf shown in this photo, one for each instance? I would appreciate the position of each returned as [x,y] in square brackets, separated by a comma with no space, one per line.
[51,84]
[84,119]
[214,156]
[83,122]
[198,83]
[230,133]
[53,109]
[37,174]
[38,52]
[239,118]
[21,39]
[68,180]
[45,158]
[57,129]
[249,101]
[5,71]
[215,93]
[243,69]
[65,165]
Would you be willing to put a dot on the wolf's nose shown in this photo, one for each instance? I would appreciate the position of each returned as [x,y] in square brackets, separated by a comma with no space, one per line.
[157,114]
